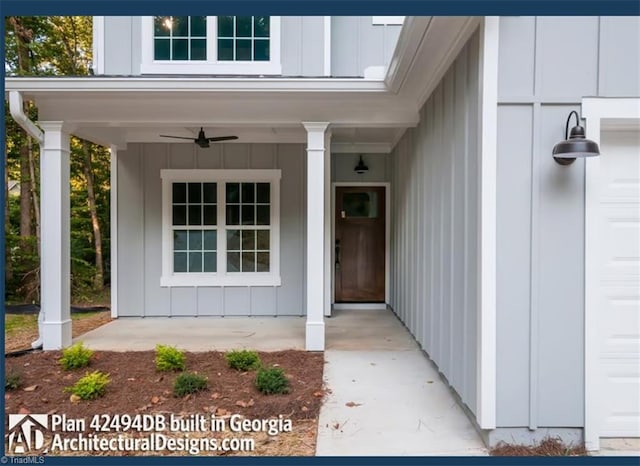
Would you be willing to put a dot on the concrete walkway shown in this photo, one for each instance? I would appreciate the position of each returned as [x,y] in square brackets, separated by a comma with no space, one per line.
[386,398]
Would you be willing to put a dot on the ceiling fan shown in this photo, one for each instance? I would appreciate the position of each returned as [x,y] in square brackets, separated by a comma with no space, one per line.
[202,140]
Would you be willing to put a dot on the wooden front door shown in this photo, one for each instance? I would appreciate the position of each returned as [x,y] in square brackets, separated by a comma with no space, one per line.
[360,245]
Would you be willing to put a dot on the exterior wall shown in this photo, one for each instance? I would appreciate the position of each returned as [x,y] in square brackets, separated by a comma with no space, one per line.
[357,44]
[540,230]
[139,231]
[434,250]
[342,168]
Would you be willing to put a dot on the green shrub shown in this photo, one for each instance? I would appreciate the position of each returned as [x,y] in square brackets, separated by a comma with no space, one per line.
[242,360]
[12,381]
[75,356]
[189,383]
[91,386]
[272,380]
[169,358]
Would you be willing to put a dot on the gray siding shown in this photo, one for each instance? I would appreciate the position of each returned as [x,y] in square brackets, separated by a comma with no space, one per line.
[139,231]
[434,226]
[342,168]
[122,55]
[357,44]
[302,47]
[540,230]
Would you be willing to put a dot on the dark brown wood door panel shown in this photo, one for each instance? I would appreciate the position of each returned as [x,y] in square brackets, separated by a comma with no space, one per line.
[360,244]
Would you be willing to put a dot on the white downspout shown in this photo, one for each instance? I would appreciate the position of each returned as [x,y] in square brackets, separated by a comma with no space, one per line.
[16,108]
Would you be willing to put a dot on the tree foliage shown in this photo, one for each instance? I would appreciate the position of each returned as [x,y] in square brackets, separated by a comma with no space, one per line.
[53,46]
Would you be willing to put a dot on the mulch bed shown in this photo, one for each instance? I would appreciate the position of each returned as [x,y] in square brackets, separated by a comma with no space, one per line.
[548,447]
[137,387]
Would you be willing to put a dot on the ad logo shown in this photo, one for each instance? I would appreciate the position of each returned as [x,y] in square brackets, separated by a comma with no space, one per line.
[26,432]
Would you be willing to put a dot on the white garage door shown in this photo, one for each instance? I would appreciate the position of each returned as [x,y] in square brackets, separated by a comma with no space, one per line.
[619,307]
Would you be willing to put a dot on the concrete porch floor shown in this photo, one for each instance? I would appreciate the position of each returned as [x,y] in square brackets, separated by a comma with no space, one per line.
[345,330]
[386,398]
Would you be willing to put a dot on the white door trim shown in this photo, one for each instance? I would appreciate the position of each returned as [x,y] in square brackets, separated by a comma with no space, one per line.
[387,233]
[616,112]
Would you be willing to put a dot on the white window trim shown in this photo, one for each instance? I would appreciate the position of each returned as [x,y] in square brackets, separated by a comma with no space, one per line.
[387,20]
[220,278]
[211,65]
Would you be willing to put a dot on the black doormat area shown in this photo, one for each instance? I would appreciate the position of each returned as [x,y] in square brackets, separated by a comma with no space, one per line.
[35,308]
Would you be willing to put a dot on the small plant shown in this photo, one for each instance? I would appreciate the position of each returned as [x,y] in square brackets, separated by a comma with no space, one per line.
[12,381]
[270,380]
[242,360]
[75,356]
[188,383]
[91,386]
[169,358]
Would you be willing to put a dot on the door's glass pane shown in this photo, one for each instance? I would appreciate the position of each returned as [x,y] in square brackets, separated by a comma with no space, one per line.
[261,50]
[195,262]
[210,262]
[262,261]
[179,193]
[198,49]
[263,191]
[195,193]
[233,262]
[195,215]
[161,50]
[209,193]
[249,261]
[248,240]
[248,214]
[363,204]
[243,49]
[198,26]
[264,213]
[243,26]
[179,240]
[233,215]
[248,193]
[180,49]
[210,240]
[179,214]
[233,240]
[261,26]
[209,215]
[225,26]
[179,261]
[195,240]
[262,240]
[161,26]
[180,26]
[233,193]
[225,49]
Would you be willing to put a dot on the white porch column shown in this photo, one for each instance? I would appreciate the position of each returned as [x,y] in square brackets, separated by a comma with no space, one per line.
[55,233]
[317,155]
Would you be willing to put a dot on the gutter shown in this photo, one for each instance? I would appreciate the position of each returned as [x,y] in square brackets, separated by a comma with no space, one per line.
[16,108]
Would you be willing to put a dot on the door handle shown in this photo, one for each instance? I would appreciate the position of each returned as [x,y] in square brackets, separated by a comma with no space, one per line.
[337,254]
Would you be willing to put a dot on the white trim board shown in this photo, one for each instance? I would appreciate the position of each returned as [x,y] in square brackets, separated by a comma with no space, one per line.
[114,230]
[487,198]
[598,112]
[387,232]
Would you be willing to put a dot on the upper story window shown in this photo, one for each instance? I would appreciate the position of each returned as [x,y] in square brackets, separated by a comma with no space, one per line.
[218,45]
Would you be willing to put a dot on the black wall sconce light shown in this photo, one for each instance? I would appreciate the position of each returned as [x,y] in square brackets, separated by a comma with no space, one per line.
[361,167]
[575,144]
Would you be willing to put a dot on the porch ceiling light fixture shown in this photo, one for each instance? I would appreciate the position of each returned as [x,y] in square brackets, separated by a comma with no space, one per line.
[575,144]
[361,167]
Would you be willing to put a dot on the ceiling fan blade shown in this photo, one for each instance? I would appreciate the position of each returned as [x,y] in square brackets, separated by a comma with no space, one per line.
[176,137]
[222,138]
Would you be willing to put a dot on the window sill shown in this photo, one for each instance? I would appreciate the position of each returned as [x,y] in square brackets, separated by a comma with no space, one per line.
[219,281]
[218,68]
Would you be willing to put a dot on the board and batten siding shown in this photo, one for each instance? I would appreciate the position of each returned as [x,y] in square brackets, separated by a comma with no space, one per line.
[434,225]
[140,234]
[540,207]
[356,44]
[342,166]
